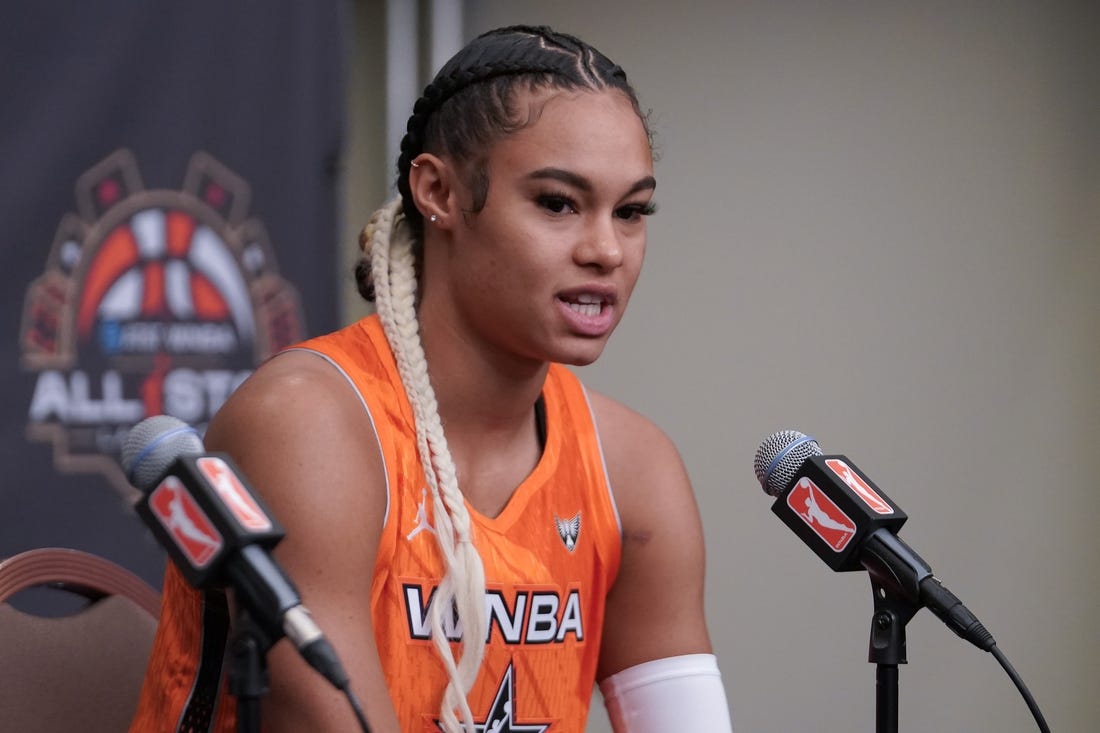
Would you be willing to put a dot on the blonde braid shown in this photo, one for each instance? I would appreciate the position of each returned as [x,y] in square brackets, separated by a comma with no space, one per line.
[393,268]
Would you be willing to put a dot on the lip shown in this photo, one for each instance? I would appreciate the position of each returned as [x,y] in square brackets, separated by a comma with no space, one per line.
[585,324]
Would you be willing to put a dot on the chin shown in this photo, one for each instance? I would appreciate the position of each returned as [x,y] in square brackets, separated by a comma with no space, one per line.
[578,361]
[583,355]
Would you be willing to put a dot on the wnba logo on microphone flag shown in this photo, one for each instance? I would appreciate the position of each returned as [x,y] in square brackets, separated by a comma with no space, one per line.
[821,514]
[203,511]
[181,517]
[861,488]
[832,506]
[237,498]
[152,302]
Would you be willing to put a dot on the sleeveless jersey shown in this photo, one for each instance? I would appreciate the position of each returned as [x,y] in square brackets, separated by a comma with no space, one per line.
[550,558]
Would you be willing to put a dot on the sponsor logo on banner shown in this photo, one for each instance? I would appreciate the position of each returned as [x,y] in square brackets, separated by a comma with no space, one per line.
[821,514]
[861,488]
[185,520]
[151,302]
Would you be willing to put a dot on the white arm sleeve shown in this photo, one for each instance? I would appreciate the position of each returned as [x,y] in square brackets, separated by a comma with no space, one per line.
[681,693]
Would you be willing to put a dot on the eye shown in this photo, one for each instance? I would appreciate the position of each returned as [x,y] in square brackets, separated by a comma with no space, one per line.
[633,212]
[557,203]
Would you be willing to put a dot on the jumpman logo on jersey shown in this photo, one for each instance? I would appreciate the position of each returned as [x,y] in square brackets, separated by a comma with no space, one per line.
[499,719]
[422,523]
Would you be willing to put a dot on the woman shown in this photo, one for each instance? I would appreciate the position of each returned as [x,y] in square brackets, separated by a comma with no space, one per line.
[440,450]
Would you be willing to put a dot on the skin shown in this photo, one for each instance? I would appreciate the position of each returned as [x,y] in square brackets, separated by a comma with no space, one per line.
[561,219]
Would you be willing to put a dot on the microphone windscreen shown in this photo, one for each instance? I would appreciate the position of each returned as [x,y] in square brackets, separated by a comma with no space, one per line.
[780,456]
[152,445]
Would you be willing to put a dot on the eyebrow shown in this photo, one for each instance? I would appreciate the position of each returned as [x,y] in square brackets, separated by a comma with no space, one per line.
[580,182]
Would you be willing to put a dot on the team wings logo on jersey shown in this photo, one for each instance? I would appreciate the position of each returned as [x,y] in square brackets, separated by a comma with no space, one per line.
[502,713]
[568,530]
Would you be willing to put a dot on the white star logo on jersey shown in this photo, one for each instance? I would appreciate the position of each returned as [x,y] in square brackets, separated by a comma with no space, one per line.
[568,530]
[499,719]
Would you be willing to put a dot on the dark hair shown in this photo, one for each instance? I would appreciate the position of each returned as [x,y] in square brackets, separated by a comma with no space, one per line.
[471,103]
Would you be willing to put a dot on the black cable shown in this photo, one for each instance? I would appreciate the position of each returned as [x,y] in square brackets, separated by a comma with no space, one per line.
[1018,681]
[356,708]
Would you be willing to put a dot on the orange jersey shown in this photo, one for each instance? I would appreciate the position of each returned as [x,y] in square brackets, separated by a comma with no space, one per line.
[550,559]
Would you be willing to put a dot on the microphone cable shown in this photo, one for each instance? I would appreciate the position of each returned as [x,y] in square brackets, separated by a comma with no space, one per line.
[356,708]
[1019,682]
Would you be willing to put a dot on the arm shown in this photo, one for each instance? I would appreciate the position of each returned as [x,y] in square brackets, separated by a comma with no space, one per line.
[300,434]
[655,609]
[656,654]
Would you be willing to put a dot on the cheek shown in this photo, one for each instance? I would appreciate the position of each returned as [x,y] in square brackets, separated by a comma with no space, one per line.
[634,259]
[512,272]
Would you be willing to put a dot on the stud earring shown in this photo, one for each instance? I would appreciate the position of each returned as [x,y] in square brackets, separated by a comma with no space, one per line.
[433,218]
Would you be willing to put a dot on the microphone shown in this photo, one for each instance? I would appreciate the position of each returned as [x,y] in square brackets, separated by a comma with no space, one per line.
[851,524]
[218,532]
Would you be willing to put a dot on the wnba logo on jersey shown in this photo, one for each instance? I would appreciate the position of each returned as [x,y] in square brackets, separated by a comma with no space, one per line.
[534,616]
[152,302]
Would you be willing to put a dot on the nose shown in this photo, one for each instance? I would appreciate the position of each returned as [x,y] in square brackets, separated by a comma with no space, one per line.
[600,246]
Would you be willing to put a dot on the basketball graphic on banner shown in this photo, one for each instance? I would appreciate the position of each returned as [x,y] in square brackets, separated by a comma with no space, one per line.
[152,302]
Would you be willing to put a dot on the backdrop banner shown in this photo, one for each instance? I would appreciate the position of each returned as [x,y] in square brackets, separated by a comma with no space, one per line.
[168,202]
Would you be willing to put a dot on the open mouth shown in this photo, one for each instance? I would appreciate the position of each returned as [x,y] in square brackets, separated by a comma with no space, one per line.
[585,304]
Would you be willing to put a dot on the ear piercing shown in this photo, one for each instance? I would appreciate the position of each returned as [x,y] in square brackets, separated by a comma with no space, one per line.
[433,218]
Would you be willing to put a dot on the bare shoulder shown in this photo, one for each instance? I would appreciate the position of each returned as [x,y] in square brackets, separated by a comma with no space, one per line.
[286,395]
[640,456]
[299,431]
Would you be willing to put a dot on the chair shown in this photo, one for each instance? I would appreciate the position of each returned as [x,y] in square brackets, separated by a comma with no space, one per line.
[80,672]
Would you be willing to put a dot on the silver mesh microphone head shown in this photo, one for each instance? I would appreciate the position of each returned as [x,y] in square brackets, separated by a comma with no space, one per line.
[152,445]
[780,456]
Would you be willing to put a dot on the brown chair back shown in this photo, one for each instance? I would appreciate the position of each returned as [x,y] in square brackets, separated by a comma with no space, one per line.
[80,672]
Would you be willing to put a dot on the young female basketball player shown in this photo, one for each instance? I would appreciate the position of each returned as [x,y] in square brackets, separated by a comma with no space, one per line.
[480,537]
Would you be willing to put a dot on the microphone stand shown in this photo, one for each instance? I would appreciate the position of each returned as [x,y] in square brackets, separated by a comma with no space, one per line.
[887,651]
[248,671]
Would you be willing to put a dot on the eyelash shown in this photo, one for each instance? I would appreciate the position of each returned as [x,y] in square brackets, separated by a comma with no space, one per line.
[549,200]
[647,209]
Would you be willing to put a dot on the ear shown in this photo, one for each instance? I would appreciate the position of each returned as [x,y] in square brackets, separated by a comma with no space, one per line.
[433,184]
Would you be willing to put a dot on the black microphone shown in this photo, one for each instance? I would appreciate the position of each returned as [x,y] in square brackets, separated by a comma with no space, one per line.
[218,532]
[852,525]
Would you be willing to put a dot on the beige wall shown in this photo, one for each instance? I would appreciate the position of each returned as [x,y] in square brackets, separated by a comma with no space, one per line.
[879,224]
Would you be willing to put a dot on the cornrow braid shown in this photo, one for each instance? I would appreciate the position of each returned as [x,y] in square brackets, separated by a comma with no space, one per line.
[393,266]
[470,104]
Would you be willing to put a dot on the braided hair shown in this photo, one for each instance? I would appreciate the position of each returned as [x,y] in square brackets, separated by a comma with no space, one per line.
[471,103]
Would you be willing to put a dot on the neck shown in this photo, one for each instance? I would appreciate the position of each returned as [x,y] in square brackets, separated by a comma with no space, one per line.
[477,387]
[487,405]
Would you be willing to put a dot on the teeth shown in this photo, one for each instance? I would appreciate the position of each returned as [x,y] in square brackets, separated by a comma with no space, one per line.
[586,309]
[587,304]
